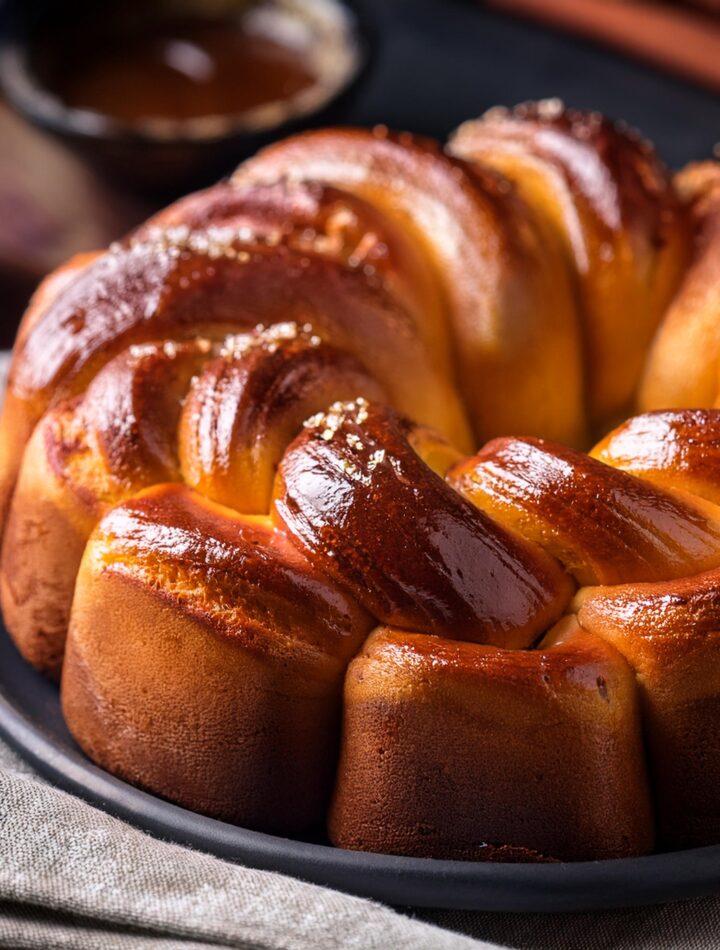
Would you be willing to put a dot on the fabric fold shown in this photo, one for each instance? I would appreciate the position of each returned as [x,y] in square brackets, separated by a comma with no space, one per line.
[73,876]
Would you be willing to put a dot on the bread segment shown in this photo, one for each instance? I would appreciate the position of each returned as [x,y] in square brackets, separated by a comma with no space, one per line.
[443,740]
[222,698]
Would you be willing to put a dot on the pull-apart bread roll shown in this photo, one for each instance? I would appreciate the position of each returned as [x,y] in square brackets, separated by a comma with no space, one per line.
[297,504]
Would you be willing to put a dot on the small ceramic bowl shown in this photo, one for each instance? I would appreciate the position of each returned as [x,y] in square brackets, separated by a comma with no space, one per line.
[162,152]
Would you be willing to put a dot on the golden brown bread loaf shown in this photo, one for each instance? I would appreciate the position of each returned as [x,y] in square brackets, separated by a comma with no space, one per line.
[240,505]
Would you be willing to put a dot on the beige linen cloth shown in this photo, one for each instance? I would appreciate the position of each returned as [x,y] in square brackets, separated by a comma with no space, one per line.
[73,877]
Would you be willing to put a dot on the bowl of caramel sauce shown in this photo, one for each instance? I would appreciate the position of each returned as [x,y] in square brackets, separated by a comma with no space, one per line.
[164,92]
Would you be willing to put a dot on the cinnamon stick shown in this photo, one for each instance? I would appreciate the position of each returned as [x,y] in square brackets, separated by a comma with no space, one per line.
[686,42]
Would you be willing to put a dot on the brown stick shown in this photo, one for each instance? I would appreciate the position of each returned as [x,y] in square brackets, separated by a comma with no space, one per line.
[683,41]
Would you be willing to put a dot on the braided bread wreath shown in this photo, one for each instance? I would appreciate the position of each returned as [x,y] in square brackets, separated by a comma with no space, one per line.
[239,515]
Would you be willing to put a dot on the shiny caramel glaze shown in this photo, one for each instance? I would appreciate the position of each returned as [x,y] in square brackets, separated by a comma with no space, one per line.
[187,284]
[311,218]
[503,283]
[670,635]
[683,366]
[353,493]
[87,454]
[128,418]
[234,572]
[50,288]
[612,205]
[442,741]
[249,403]
[677,449]
[14,431]
[604,525]
[205,661]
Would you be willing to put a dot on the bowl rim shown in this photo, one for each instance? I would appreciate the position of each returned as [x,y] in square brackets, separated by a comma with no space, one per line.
[30,97]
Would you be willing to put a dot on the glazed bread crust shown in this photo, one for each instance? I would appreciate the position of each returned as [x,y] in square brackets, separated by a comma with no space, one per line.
[669,634]
[442,740]
[86,454]
[444,566]
[603,192]
[499,276]
[223,698]
[240,441]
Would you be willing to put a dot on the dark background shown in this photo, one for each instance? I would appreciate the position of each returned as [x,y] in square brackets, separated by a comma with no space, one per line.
[442,62]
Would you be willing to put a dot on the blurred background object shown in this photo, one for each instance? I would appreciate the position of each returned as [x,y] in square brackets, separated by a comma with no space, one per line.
[710,6]
[679,37]
[50,207]
[164,93]
[430,65]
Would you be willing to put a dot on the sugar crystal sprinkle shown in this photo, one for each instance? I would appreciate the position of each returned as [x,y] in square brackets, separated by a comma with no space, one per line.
[214,242]
[355,411]
[269,338]
[377,458]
